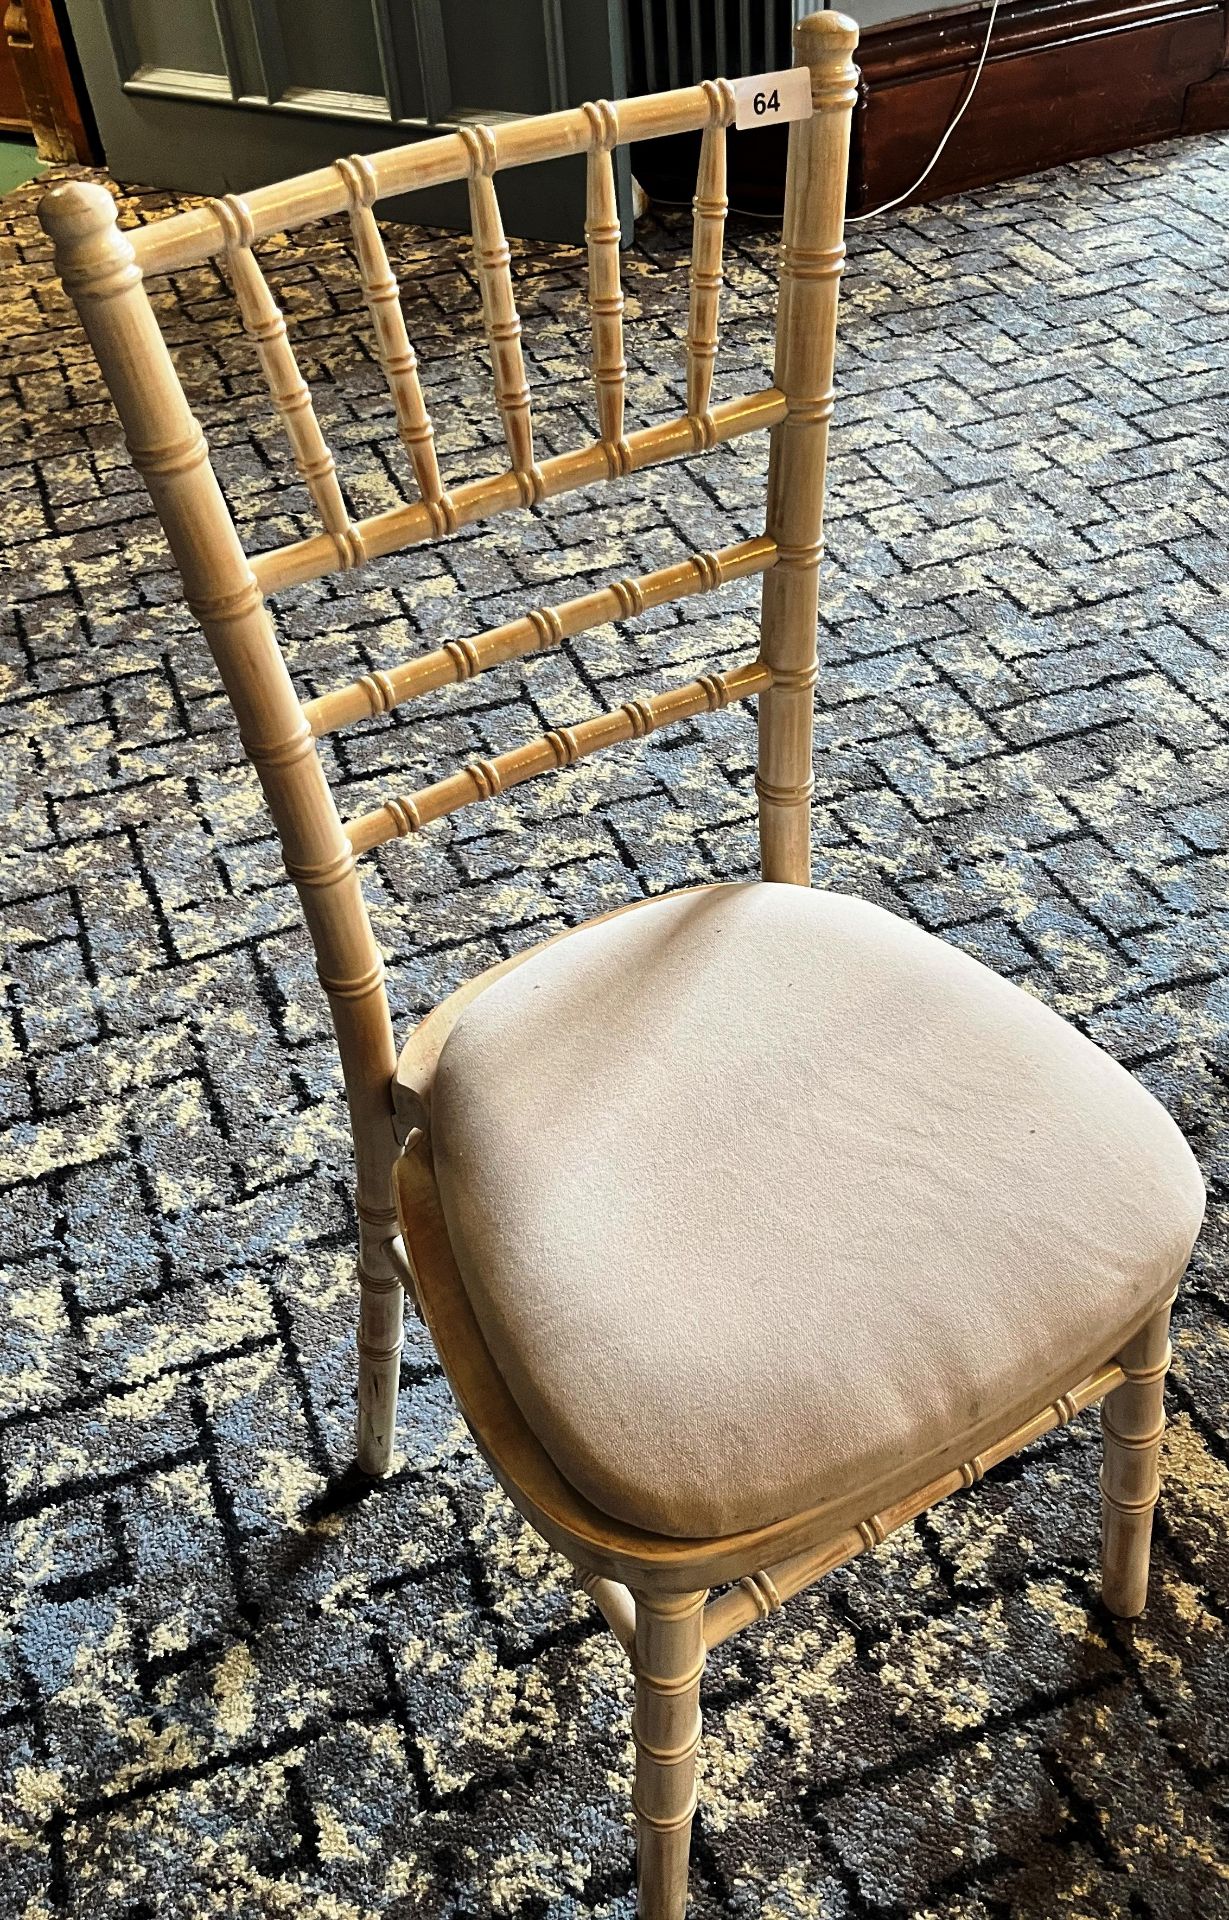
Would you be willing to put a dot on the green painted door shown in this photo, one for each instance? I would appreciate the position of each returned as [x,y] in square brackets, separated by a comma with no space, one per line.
[214,96]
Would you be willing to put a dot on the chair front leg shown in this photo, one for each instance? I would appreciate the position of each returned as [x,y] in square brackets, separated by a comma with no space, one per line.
[1132,1422]
[669,1660]
[380,1320]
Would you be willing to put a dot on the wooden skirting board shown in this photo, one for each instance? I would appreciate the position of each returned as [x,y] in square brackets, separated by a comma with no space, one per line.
[1065,79]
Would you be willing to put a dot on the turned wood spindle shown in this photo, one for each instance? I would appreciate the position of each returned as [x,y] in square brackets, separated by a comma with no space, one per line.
[397,356]
[1132,1423]
[812,258]
[760,1594]
[493,263]
[185,239]
[542,628]
[614,1603]
[668,1658]
[96,263]
[473,500]
[264,324]
[708,230]
[561,747]
[602,234]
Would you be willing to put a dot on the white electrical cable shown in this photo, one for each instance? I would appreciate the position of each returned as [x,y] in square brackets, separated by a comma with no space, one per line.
[854,218]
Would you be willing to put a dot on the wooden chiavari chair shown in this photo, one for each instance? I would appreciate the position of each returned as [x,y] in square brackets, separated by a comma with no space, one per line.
[748,1222]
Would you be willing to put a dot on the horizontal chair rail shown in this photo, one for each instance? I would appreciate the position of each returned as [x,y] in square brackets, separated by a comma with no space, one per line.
[535,632]
[186,239]
[561,747]
[615,1603]
[420,520]
[760,1594]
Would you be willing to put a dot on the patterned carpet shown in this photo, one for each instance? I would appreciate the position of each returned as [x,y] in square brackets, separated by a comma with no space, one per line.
[232,1681]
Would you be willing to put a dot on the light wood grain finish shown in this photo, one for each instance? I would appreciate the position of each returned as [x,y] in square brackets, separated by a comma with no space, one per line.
[396,355]
[226,588]
[602,234]
[409,525]
[812,258]
[265,326]
[96,264]
[493,264]
[561,747]
[708,229]
[381,1314]
[185,239]
[616,1605]
[669,1661]
[544,628]
[651,1589]
[760,1594]
[1132,1424]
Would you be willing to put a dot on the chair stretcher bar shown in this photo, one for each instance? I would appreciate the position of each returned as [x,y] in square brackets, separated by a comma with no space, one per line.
[561,747]
[535,632]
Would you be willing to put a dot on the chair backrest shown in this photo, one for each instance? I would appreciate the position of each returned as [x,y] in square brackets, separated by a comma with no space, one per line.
[104,271]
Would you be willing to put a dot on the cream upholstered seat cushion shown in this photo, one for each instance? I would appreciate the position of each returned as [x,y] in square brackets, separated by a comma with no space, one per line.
[759,1193]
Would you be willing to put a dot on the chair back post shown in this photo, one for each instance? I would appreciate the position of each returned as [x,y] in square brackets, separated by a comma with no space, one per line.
[99,270]
[813,255]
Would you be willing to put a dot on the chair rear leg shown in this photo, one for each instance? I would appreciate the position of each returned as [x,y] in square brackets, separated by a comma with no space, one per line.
[380,1319]
[1132,1422]
[669,1659]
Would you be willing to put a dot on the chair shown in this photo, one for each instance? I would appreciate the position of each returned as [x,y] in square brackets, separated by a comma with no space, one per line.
[748,1221]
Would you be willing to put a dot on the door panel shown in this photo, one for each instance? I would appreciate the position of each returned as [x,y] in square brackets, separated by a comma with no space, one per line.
[317,47]
[486,63]
[180,48]
[154,37]
[213,96]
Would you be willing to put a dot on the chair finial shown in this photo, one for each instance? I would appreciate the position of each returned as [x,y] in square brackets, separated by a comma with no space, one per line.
[76,209]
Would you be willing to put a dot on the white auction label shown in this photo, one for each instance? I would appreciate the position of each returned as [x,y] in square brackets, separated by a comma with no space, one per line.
[766,97]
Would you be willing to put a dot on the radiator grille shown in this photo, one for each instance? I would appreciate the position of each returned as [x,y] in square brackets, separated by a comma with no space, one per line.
[674,43]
